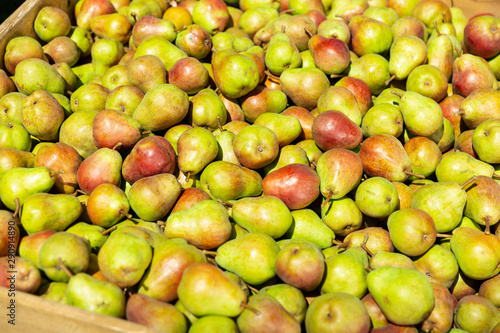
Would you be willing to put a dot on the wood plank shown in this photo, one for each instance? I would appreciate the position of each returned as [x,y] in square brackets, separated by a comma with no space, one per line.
[36,314]
[473,7]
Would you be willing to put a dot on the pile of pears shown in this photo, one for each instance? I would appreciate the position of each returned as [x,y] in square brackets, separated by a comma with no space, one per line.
[256,166]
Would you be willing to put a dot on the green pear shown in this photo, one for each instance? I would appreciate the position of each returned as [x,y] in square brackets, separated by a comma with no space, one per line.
[439,265]
[415,107]
[353,316]
[76,131]
[42,115]
[163,49]
[262,100]
[486,140]
[15,136]
[95,234]
[282,54]
[252,257]
[363,28]
[256,146]
[459,167]
[447,204]
[304,86]
[384,118]
[207,110]
[342,215]
[475,313]
[205,225]
[479,106]
[212,15]
[226,151]
[153,197]
[20,183]
[290,154]
[36,74]
[73,251]
[196,148]
[393,259]
[266,214]
[105,54]
[286,128]
[477,253]
[377,197]
[373,69]
[205,290]
[399,64]
[214,324]
[56,292]
[12,105]
[483,201]
[124,258]
[307,225]
[391,288]
[43,211]
[385,15]
[173,133]
[291,298]
[86,292]
[340,99]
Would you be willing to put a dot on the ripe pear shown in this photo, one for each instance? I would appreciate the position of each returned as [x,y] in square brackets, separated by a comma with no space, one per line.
[486,140]
[439,265]
[304,86]
[390,287]
[342,215]
[459,167]
[36,74]
[107,205]
[76,131]
[483,201]
[441,317]
[475,313]
[251,256]
[377,197]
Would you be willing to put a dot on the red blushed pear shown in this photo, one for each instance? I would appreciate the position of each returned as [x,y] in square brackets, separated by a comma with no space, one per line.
[359,89]
[450,106]
[189,74]
[297,185]
[150,156]
[91,9]
[111,128]
[317,16]
[470,73]
[190,197]
[383,155]
[305,118]
[101,167]
[61,158]
[482,36]
[9,232]
[331,55]
[463,143]
[333,129]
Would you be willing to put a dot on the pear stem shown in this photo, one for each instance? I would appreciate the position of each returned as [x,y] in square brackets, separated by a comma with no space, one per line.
[396,93]
[287,11]
[308,32]
[343,17]
[64,268]
[468,182]
[443,235]
[339,244]
[409,173]
[254,290]
[283,28]
[458,51]
[495,176]
[436,27]
[81,192]
[161,223]
[272,76]
[310,299]
[327,200]
[210,253]
[18,205]
[487,226]
[119,144]
[225,203]
[55,173]
[219,124]
[254,310]
[146,132]
[364,247]
[107,231]
[124,213]
[313,164]
[443,14]
[336,76]
[390,80]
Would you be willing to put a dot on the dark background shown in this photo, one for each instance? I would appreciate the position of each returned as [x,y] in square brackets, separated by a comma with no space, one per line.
[7,7]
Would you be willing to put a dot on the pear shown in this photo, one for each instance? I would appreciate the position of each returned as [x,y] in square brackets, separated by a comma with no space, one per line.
[346,272]
[266,214]
[124,258]
[196,148]
[207,110]
[441,317]
[439,265]
[12,105]
[103,166]
[172,102]
[415,106]
[483,200]
[51,22]
[251,256]
[152,197]
[89,97]
[56,292]
[382,119]
[256,146]
[43,211]
[335,28]
[212,15]
[105,54]
[27,278]
[383,155]
[304,86]
[376,316]
[226,151]
[155,314]
[340,99]
[459,167]
[95,234]
[163,49]
[268,316]
[205,290]
[65,247]
[42,115]
[76,131]
[375,239]
[36,74]
[262,100]
[15,136]
[291,298]
[412,231]
[392,259]
[399,64]
[477,253]
[479,106]
[227,181]
[342,215]
[307,225]
[146,71]
[286,128]
[106,205]
[214,324]
[362,27]
[94,295]
[486,140]
[475,313]
[90,9]
[20,183]
[195,41]
[300,263]
[205,225]
[173,133]
[447,204]
[377,197]
[390,287]
[489,289]
[373,69]
[353,316]
[463,83]
[169,261]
